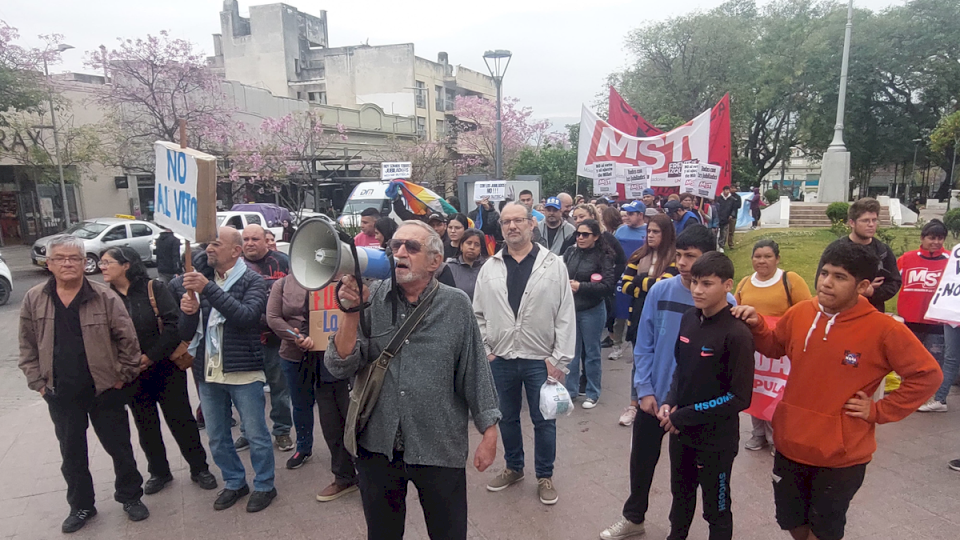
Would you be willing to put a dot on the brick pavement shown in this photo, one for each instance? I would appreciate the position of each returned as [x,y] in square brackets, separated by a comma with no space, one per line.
[909,492]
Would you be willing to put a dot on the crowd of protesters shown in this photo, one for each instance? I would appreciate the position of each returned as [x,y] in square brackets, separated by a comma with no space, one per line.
[486,308]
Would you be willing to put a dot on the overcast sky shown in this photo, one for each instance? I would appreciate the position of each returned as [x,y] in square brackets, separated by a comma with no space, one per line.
[563,49]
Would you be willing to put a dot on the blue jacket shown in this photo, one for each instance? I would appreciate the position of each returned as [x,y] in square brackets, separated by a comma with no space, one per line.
[242,306]
[689,218]
[657,334]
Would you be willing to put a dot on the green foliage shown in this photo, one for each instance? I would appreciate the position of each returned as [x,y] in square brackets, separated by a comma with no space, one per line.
[840,229]
[952,221]
[885,235]
[837,212]
[771,196]
[556,166]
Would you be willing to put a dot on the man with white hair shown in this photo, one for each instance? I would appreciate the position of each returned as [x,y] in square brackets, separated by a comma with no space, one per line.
[417,430]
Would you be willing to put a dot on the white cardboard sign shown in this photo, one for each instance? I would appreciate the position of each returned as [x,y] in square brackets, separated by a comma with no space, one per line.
[604,178]
[635,180]
[494,190]
[945,305]
[186,191]
[395,170]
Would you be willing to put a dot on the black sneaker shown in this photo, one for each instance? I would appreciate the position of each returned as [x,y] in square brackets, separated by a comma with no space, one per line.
[229,497]
[204,479]
[954,464]
[298,459]
[260,500]
[156,483]
[242,443]
[136,510]
[606,343]
[201,425]
[77,519]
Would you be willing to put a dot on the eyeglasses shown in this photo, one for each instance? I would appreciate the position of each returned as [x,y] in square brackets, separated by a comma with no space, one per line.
[65,260]
[508,222]
[413,246]
[105,264]
[581,234]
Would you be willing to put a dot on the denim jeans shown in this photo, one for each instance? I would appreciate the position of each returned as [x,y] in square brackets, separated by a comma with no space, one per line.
[509,376]
[250,403]
[279,393]
[951,361]
[589,327]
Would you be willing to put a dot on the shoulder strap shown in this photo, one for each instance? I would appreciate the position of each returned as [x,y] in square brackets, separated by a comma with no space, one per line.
[407,327]
[743,283]
[153,303]
[786,288]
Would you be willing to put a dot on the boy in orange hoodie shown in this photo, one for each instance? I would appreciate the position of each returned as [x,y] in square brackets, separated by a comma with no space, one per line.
[841,348]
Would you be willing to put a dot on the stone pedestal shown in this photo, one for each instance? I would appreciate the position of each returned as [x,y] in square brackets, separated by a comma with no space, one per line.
[834,177]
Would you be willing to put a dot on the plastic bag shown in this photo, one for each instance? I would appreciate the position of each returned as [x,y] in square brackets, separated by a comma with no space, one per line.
[554,400]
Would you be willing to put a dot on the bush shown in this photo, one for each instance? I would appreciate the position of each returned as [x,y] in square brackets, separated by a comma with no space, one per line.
[885,235]
[837,212]
[839,229]
[771,196]
[952,220]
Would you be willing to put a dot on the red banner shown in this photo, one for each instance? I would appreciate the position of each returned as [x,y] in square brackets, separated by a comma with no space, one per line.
[769,379]
[622,116]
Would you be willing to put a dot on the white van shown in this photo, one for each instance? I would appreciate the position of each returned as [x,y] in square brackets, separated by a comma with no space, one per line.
[367,195]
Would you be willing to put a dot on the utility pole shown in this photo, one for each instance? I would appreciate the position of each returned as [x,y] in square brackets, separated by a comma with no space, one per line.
[497,72]
[56,139]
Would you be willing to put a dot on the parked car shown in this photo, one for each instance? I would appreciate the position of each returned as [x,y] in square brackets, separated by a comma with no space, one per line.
[102,233]
[6,282]
[240,219]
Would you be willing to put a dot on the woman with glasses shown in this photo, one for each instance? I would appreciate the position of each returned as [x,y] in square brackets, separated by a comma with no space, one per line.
[160,381]
[592,279]
[455,227]
[471,254]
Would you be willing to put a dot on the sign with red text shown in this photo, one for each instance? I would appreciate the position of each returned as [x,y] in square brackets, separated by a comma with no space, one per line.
[769,379]
[604,178]
[635,179]
[325,316]
[700,179]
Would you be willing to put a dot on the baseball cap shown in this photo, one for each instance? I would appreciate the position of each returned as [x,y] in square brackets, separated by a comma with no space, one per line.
[603,200]
[635,206]
[651,212]
[649,191]
[436,216]
[553,202]
[672,206]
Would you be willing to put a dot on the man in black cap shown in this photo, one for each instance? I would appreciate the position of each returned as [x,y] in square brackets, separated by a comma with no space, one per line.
[681,218]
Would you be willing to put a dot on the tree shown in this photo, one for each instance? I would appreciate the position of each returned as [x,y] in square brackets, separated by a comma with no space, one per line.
[944,142]
[155,83]
[432,163]
[21,75]
[33,148]
[556,164]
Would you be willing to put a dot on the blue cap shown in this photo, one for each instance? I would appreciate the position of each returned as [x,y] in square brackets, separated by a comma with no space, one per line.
[553,202]
[635,206]
[649,191]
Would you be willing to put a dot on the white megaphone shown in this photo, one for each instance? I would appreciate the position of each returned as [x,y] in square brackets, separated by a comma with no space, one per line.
[317,256]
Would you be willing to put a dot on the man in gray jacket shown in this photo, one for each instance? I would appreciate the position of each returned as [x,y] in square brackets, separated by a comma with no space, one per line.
[417,431]
[554,230]
[524,306]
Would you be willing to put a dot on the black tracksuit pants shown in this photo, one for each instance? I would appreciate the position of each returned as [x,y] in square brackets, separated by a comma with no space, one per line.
[690,468]
[110,422]
[165,384]
[644,455]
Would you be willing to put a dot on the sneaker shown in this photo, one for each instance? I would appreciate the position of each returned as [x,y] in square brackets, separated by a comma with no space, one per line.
[606,343]
[298,459]
[589,403]
[242,443]
[233,422]
[136,510]
[204,479]
[932,405]
[624,528]
[229,497]
[155,483]
[546,491]
[628,416]
[284,443]
[615,353]
[504,480]
[201,425]
[954,464]
[334,491]
[260,500]
[77,519]
[773,451]
[720,249]
[756,443]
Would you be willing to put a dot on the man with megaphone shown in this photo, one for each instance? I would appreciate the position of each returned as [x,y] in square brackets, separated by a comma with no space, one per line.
[423,338]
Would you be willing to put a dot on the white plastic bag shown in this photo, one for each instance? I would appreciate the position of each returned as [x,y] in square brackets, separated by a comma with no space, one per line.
[554,400]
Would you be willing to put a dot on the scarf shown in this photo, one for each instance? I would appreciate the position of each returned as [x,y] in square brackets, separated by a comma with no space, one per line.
[212,334]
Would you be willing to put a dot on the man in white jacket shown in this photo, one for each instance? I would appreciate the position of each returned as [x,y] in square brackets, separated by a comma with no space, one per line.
[524,306]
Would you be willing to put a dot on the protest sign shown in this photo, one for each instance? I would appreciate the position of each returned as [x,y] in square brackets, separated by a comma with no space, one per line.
[494,190]
[393,170]
[186,191]
[636,179]
[769,380]
[604,178]
[325,316]
[689,174]
[945,305]
[706,185]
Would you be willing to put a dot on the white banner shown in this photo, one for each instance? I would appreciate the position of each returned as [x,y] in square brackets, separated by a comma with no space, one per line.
[395,170]
[183,202]
[945,305]
[604,178]
[494,190]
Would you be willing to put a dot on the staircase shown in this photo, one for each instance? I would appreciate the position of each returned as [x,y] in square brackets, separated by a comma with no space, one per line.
[815,215]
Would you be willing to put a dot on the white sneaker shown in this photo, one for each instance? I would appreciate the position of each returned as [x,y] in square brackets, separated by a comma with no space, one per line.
[615,353]
[624,528]
[589,403]
[628,416]
[756,443]
[720,249]
[932,405]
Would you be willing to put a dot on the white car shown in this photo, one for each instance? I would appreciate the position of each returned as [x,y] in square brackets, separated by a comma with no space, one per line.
[100,234]
[6,282]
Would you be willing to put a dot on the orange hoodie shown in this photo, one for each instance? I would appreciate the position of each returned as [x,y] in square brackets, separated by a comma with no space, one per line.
[831,359]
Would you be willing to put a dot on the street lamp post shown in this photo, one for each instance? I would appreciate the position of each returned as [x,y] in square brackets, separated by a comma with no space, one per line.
[56,139]
[916,146]
[498,67]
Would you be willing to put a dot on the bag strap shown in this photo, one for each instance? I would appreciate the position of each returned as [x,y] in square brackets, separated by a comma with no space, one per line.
[407,328]
[786,288]
[153,303]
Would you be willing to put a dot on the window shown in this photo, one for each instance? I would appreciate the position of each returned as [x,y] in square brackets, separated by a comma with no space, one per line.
[139,229]
[299,95]
[421,127]
[117,233]
[441,129]
[253,219]
[439,98]
[421,95]
[317,97]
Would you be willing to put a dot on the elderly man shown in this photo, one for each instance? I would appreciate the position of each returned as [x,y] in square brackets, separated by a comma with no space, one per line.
[224,326]
[271,265]
[524,306]
[554,231]
[418,429]
[78,348]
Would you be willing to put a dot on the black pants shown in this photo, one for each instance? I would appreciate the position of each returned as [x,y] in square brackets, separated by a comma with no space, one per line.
[165,384]
[109,418]
[644,455]
[690,468]
[383,489]
[333,399]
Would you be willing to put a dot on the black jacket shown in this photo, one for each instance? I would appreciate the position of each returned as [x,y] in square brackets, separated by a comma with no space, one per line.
[156,345]
[891,274]
[581,265]
[242,306]
[728,208]
[168,254]
[491,222]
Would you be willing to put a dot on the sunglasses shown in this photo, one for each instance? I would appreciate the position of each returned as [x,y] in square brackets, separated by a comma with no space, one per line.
[413,246]
[581,234]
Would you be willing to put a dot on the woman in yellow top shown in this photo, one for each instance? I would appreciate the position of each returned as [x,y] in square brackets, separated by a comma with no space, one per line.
[771,291]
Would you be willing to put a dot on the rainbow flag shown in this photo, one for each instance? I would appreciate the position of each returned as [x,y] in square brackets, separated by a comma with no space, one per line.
[420,200]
